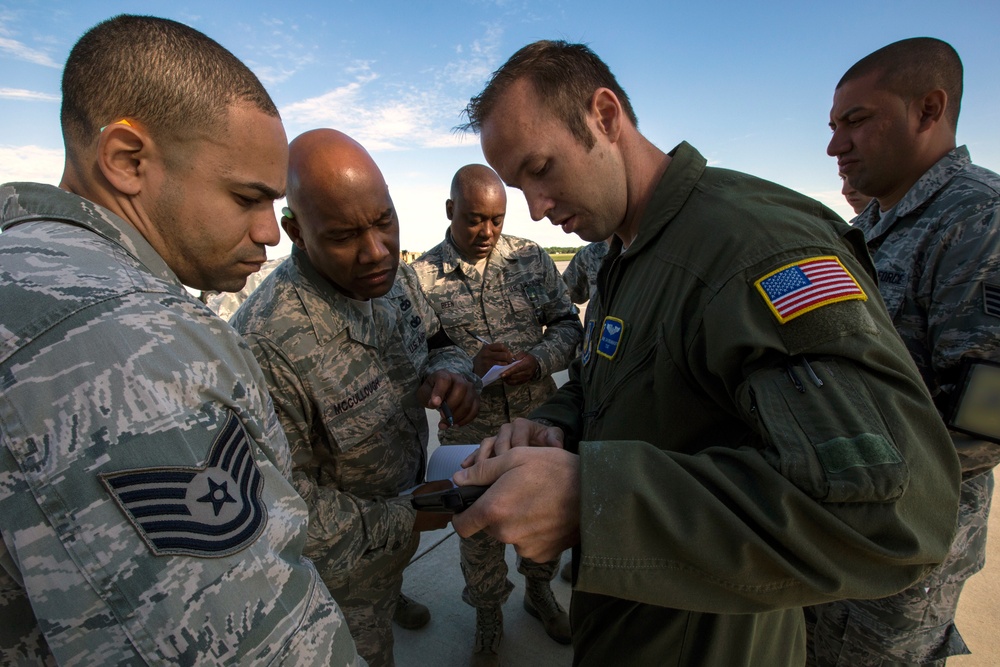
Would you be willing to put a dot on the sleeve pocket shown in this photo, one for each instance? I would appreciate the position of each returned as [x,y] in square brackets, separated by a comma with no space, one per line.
[827,440]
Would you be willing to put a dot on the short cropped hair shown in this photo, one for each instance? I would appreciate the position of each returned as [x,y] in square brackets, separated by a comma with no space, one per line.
[164,74]
[564,76]
[913,67]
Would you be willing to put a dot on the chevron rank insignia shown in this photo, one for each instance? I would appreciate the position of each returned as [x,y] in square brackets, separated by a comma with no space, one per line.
[213,511]
[991,299]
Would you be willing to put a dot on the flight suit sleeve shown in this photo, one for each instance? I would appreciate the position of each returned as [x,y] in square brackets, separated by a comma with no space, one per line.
[844,483]
[561,319]
[342,526]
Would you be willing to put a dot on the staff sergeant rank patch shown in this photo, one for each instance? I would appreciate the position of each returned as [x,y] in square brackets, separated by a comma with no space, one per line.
[211,512]
[806,285]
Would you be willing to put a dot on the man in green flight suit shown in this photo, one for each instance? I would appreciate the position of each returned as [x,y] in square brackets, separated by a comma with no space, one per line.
[744,433]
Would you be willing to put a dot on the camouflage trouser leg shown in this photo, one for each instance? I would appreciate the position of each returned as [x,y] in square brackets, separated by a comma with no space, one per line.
[369,600]
[852,633]
[485,570]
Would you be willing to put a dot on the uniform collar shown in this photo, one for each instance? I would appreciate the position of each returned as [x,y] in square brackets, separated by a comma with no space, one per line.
[678,181]
[926,188]
[329,311]
[29,202]
[451,258]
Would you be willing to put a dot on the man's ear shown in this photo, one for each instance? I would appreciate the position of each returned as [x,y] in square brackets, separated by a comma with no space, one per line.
[931,108]
[608,112]
[291,227]
[122,151]
[449,208]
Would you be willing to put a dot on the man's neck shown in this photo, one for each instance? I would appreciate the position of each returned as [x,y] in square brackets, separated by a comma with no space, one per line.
[644,165]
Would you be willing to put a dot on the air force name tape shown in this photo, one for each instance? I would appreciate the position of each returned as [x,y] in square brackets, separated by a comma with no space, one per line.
[213,511]
[806,285]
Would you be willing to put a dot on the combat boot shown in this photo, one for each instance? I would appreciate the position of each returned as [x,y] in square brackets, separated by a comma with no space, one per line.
[489,632]
[410,614]
[541,603]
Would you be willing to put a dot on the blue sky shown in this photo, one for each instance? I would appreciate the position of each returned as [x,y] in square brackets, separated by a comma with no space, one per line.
[749,84]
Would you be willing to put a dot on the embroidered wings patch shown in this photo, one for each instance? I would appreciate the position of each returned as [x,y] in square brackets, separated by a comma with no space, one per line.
[806,285]
[212,511]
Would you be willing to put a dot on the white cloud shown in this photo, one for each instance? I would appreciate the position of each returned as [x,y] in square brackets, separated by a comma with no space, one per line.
[21,51]
[31,163]
[277,50]
[27,95]
[388,115]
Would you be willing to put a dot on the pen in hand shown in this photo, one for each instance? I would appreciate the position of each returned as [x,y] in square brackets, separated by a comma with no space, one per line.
[478,337]
[448,416]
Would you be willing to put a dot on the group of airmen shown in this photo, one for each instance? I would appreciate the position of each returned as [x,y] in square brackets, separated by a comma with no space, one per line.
[775,446]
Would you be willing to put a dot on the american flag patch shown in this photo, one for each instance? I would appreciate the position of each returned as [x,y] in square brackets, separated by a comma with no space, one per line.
[806,285]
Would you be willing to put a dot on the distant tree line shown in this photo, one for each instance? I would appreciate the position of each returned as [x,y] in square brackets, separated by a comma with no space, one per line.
[562,250]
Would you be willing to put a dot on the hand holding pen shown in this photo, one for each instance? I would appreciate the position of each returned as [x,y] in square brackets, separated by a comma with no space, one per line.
[453,395]
[489,355]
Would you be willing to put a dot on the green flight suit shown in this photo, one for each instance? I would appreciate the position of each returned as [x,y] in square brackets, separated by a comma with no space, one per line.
[734,467]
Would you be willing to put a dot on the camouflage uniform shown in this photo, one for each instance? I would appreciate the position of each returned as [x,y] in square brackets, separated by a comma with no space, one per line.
[938,257]
[581,274]
[343,375]
[523,303]
[224,304]
[145,506]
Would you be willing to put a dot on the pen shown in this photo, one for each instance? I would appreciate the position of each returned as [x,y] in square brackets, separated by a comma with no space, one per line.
[479,338]
[450,418]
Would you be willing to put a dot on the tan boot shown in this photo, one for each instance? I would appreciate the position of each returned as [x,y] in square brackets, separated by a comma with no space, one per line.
[410,614]
[541,603]
[489,632]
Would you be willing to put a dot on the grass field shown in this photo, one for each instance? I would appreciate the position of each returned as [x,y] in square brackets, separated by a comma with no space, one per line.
[561,257]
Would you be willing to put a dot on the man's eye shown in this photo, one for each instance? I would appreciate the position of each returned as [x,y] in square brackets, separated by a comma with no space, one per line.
[246,202]
[541,171]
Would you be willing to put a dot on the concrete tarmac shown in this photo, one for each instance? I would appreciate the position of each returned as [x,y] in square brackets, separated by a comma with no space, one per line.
[434,578]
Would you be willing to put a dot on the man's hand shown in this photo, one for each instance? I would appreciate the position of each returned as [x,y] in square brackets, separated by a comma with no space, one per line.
[519,433]
[431,520]
[533,503]
[446,387]
[523,372]
[494,354]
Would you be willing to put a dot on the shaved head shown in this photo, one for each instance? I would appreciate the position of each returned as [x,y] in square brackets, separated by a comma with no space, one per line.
[912,67]
[473,178]
[476,209]
[342,216]
[326,170]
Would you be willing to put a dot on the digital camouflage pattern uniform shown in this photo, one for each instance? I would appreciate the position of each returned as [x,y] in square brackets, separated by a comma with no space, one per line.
[523,303]
[735,465]
[145,504]
[580,275]
[938,258]
[224,304]
[343,375]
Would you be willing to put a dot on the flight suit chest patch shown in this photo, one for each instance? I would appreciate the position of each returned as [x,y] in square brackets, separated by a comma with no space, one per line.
[611,336]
